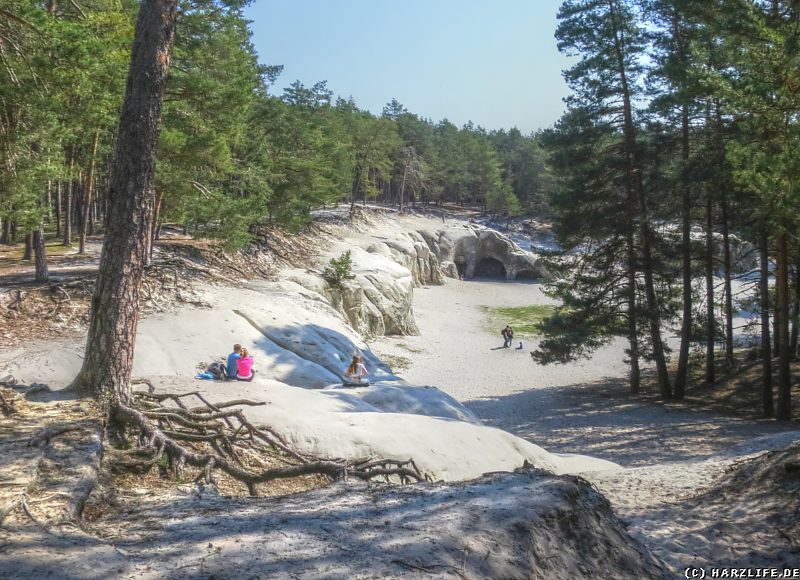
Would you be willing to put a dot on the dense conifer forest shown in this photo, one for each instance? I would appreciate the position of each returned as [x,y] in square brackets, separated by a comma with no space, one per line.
[676,148]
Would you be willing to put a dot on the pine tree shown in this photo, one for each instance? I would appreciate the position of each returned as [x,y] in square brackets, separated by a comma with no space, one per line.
[606,37]
[108,362]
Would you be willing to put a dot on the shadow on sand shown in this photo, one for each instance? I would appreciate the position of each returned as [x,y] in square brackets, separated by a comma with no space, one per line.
[603,420]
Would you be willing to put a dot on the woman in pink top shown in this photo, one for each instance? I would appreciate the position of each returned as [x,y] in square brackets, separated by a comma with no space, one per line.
[244,366]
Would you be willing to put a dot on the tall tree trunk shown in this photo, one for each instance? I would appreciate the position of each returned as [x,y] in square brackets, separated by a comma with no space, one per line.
[776,330]
[354,190]
[40,255]
[69,195]
[88,194]
[795,309]
[686,261]
[28,253]
[633,330]
[767,399]
[108,361]
[92,216]
[726,263]
[49,216]
[784,411]
[5,237]
[57,208]
[403,188]
[711,327]
[639,199]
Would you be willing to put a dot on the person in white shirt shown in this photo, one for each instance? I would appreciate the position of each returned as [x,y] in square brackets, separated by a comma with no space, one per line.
[356,372]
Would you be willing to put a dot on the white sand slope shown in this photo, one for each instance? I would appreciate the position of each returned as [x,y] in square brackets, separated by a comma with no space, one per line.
[302,347]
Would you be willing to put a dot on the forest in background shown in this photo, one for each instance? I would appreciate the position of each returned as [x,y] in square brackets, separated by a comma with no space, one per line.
[231,156]
[679,139]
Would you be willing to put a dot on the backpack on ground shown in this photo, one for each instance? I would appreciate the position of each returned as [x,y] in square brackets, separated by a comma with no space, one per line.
[217,369]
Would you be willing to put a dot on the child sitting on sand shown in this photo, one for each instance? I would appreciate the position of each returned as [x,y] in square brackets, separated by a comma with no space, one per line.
[356,371]
[244,366]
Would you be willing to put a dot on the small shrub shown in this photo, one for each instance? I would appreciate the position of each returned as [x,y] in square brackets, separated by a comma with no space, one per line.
[339,269]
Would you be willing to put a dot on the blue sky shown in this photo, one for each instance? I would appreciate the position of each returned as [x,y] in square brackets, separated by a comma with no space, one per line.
[492,62]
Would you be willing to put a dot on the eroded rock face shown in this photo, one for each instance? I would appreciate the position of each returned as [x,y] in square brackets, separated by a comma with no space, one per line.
[415,253]
[478,251]
[377,301]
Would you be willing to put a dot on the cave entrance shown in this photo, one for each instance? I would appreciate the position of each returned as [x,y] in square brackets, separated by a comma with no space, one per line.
[461,266]
[526,275]
[490,268]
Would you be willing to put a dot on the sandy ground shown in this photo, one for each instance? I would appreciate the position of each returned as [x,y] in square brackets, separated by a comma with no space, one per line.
[672,453]
[579,407]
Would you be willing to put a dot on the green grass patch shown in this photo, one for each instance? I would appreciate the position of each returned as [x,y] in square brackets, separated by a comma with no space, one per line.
[396,362]
[523,319]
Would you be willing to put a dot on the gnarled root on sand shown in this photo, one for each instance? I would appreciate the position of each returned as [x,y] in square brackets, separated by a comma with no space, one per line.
[218,436]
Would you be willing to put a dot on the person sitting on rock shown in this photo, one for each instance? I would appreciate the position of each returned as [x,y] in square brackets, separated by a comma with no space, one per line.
[244,366]
[356,371]
[230,363]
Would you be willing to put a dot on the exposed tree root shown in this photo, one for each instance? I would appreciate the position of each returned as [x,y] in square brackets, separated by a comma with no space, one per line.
[219,437]
[6,406]
[46,434]
[49,485]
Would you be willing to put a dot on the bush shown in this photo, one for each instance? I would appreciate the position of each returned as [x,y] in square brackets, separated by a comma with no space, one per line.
[339,269]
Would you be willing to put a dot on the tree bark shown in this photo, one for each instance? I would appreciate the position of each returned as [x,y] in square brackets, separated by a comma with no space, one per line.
[686,262]
[403,187]
[711,329]
[49,216]
[795,309]
[40,255]
[5,237]
[108,361]
[68,197]
[726,263]
[88,195]
[57,209]
[633,331]
[784,411]
[28,253]
[767,399]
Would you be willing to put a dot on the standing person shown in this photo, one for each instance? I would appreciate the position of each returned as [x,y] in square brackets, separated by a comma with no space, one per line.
[244,366]
[230,363]
[510,335]
[507,334]
[356,371]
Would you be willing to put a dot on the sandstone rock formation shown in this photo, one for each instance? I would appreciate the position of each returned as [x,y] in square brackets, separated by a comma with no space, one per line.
[377,301]
[480,252]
